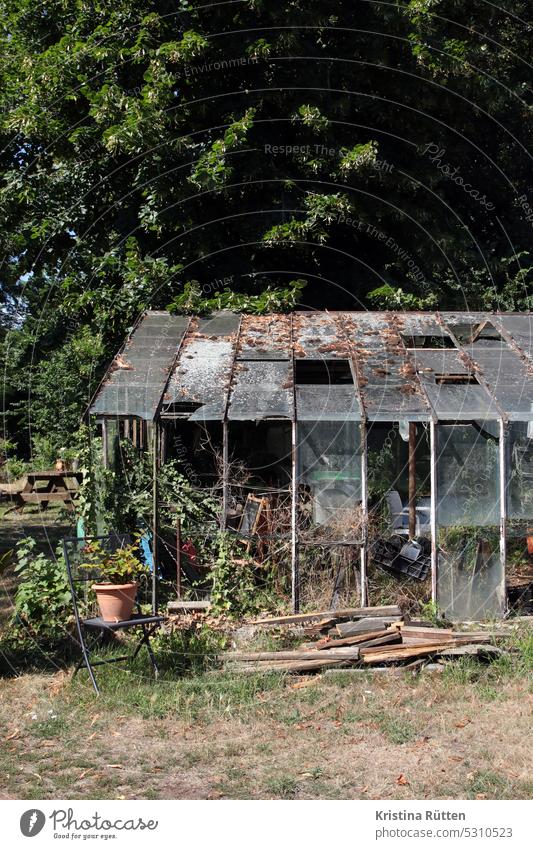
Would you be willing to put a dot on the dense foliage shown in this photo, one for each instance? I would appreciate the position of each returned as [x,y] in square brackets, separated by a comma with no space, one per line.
[43,602]
[161,154]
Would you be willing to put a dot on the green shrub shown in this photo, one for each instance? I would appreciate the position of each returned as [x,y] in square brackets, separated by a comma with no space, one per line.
[188,651]
[14,469]
[44,452]
[42,600]
[234,588]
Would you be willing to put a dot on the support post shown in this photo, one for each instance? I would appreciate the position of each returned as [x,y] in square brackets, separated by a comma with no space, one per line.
[295,572]
[364,510]
[104,443]
[162,442]
[503,511]
[225,471]
[155,509]
[433,509]
[412,479]
[178,557]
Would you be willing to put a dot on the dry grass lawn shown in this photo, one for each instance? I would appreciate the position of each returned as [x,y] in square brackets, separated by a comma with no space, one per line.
[461,734]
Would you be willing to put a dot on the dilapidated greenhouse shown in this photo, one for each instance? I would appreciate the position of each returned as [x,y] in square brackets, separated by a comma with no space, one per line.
[330,437]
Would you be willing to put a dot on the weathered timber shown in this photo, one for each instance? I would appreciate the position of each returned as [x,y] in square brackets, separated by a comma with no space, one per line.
[419,631]
[328,643]
[349,629]
[317,628]
[392,654]
[296,666]
[388,639]
[347,652]
[338,615]
[471,649]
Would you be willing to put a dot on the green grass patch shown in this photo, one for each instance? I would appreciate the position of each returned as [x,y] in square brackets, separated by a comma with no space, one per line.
[189,697]
[397,729]
[283,787]
[492,785]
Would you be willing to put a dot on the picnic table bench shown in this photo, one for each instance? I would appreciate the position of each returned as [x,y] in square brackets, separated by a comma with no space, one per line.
[43,487]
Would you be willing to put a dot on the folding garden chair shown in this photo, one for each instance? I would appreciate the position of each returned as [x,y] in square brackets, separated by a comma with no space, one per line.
[92,628]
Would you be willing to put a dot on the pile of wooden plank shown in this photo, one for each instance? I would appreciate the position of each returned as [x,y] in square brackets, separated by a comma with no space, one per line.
[364,638]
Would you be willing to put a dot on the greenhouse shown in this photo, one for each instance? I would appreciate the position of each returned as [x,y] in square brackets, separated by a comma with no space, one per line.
[321,435]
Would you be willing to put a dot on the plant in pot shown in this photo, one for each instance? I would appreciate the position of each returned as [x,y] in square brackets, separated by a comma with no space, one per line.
[119,572]
[69,456]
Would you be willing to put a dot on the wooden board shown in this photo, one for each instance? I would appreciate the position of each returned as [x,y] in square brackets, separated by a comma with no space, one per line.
[350,629]
[421,631]
[343,613]
[471,649]
[345,653]
[328,643]
[392,654]
[295,666]
[38,497]
[317,627]
[388,639]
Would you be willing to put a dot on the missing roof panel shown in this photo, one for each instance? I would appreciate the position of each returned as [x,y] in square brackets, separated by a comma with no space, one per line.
[322,372]
[456,380]
[434,342]
[487,332]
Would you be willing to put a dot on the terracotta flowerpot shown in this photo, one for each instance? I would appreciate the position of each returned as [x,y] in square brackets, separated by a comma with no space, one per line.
[115,600]
[530,541]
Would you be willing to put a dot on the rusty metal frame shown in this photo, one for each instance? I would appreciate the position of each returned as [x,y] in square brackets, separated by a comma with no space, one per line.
[504,471]
[225,432]
[357,375]
[295,571]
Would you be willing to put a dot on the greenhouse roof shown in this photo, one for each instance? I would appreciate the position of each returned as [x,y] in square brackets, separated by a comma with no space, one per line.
[380,366]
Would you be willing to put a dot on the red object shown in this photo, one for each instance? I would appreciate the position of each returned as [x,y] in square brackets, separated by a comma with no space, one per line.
[529,542]
[189,549]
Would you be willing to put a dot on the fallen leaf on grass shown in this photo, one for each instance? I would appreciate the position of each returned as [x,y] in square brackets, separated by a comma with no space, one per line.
[463,723]
[85,772]
[364,789]
[306,682]
[95,717]
[93,735]
[115,766]
[402,779]
[13,734]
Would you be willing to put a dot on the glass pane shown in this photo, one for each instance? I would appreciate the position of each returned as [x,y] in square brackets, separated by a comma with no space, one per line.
[470,579]
[520,486]
[398,569]
[519,566]
[388,478]
[329,475]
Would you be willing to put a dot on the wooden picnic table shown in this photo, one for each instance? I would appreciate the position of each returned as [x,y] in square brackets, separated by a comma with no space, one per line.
[56,488]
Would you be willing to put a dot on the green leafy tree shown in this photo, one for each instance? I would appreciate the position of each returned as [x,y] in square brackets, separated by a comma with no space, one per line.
[147,145]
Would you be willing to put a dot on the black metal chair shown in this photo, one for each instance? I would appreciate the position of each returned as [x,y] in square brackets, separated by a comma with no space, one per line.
[92,629]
